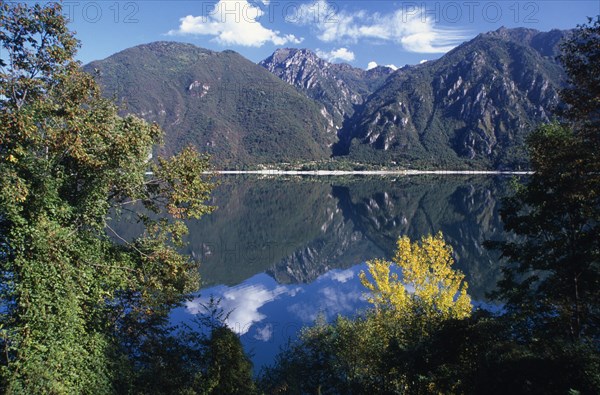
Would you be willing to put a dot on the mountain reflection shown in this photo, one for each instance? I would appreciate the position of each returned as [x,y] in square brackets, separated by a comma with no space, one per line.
[296,229]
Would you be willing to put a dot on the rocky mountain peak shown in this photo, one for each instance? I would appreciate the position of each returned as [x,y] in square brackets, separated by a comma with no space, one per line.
[340,88]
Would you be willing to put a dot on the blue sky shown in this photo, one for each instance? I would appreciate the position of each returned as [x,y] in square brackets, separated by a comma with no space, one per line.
[356,32]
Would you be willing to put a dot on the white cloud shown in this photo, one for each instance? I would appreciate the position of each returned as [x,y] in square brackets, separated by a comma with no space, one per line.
[423,61]
[337,54]
[372,65]
[233,22]
[414,29]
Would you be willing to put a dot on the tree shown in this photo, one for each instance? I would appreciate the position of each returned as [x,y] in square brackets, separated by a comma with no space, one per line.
[204,357]
[581,60]
[229,369]
[430,290]
[551,284]
[409,311]
[71,287]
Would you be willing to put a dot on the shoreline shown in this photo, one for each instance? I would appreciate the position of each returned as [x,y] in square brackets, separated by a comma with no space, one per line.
[370,172]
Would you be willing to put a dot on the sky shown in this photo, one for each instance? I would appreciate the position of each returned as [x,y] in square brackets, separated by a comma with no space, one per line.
[363,33]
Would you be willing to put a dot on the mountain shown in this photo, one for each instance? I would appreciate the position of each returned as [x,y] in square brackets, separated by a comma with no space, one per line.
[340,88]
[472,107]
[218,101]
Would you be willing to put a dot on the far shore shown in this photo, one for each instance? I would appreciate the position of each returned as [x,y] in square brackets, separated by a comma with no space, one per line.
[370,172]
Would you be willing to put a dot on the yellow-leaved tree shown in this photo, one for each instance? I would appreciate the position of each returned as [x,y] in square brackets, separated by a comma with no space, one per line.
[430,290]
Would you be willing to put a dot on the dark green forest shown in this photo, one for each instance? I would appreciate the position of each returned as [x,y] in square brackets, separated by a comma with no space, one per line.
[86,309]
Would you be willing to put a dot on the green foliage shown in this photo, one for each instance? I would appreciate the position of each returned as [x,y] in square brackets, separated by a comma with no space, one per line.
[556,273]
[188,362]
[77,305]
[203,357]
[481,355]
[229,369]
[581,59]
[475,355]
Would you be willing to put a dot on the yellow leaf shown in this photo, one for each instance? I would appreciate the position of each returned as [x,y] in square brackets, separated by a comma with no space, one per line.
[430,289]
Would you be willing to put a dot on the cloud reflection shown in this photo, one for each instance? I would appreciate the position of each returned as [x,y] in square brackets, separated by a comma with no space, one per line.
[241,302]
[330,301]
[340,275]
[265,333]
[262,305]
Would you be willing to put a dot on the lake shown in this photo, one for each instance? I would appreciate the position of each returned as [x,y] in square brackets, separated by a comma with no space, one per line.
[281,251]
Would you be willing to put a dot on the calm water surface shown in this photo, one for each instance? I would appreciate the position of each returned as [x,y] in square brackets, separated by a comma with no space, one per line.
[281,251]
